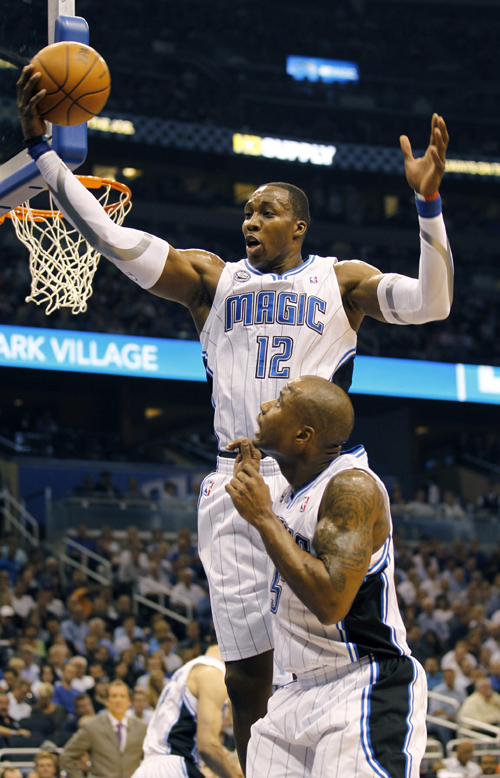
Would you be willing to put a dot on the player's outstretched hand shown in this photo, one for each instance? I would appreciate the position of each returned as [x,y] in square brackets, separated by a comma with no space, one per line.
[28,96]
[424,174]
[247,489]
[247,453]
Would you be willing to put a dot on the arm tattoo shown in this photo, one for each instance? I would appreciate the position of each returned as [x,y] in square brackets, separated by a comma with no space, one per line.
[344,538]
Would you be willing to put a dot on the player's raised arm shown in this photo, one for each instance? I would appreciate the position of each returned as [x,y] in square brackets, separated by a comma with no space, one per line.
[188,277]
[398,299]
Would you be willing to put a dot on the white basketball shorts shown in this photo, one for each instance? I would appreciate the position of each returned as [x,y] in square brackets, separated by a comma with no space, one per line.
[368,721]
[166,766]
[235,562]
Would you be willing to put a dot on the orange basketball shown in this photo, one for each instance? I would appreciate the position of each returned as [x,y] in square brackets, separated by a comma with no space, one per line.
[77,81]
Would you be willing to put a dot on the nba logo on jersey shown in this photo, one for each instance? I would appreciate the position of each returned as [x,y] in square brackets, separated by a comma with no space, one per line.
[208,488]
[241,275]
[303,505]
[313,279]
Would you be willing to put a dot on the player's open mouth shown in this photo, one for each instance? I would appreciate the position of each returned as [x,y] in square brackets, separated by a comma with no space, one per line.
[252,243]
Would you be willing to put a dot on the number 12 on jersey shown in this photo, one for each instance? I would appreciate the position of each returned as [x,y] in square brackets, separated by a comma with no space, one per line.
[275,361]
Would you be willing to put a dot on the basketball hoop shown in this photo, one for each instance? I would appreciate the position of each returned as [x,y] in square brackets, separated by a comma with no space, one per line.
[62,263]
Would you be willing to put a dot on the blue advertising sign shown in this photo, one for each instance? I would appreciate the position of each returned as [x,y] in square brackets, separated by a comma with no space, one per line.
[96,352]
[316,69]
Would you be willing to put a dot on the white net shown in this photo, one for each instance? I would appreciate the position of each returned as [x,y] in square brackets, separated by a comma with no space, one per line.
[62,263]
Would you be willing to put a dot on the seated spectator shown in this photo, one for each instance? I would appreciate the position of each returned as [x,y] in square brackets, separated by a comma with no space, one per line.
[460,764]
[105,486]
[193,644]
[156,683]
[495,676]
[409,588]
[47,675]
[84,489]
[428,621]
[83,709]
[483,705]
[167,650]
[443,709]
[81,682]
[450,508]
[488,764]
[8,725]
[134,492]
[455,658]
[126,634]
[31,670]
[154,582]
[153,662]
[9,680]
[46,765]
[12,551]
[64,693]
[22,602]
[186,590]
[75,629]
[18,707]
[99,693]
[12,772]
[490,499]
[124,672]
[419,508]
[141,709]
[97,629]
[47,709]
[433,673]
[58,656]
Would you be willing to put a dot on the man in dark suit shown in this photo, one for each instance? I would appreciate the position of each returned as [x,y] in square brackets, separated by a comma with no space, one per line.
[112,740]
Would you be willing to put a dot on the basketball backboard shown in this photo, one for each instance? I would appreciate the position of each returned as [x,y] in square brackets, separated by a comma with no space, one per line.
[25,28]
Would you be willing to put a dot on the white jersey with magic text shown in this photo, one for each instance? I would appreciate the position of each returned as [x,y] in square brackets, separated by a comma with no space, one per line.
[265,328]
[373,625]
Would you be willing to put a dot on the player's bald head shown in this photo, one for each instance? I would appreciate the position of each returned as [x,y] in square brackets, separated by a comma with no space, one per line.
[323,406]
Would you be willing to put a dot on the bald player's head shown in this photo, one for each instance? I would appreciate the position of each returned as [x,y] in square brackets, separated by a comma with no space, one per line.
[309,410]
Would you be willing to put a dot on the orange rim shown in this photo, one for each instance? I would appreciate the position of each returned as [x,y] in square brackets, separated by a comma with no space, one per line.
[90,182]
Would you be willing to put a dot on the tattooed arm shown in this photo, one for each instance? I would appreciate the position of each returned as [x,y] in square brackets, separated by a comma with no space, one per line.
[352,524]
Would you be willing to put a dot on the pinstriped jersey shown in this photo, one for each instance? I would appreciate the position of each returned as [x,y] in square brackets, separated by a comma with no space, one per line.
[373,625]
[265,328]
[172,730]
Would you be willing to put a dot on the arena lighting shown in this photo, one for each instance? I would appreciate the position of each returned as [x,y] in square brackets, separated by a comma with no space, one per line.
[280,148]
[116,126]
[472,167]
[327,70]
[96,352]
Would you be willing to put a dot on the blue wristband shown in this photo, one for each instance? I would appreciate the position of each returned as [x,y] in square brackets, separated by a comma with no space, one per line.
[427,209]
[38,149]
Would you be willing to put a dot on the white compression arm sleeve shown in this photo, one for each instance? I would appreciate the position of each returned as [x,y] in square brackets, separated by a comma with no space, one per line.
[137,254]
[406,300]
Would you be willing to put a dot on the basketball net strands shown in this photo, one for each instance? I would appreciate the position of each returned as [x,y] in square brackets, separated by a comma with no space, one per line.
[62,263]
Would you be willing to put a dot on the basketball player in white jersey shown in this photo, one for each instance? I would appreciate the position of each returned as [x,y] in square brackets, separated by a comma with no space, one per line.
[187,723]
[358,704]
[263,320]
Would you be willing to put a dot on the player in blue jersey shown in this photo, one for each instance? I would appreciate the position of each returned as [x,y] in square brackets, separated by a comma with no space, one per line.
[358,704]
[272,316]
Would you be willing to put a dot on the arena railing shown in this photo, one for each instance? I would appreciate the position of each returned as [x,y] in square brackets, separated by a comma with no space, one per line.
[471,725]
[141,600]
[16,517]
[485,747]
[163,590]
[86,554]
[64,559]
[19,752]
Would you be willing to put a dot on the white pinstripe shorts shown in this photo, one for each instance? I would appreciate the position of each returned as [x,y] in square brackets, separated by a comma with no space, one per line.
[165,766]
[368,722]
[235,562]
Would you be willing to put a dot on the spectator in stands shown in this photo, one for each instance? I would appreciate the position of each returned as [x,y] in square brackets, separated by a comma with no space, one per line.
[156,683]
[488,764]
[113,741]
[46,709]
[47,676]
[105,486]
[12,552]
[9,680]
[85,489]
[455,657]
[18,707]
[154,582]
[167,650]
[75,629]
[64,693]
[81,682]
[427,620]
[83,709]
[133,492]
[141,709]
[490,499]
[433,673]
[186,590]
[193,644]
[46,765]
[126,634]
[22,602]
[97,629]
[99,693]
[409,588]
[153,662]
[450,508]
[495,675]
[58,656]
[12,772]
[31,670]
[419,508]
[183,553]
[483,705]
[460,764]
[445,710]
[8,725]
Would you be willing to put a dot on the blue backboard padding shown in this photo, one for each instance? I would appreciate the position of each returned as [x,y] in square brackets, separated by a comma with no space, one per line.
[69,142]
[96,352]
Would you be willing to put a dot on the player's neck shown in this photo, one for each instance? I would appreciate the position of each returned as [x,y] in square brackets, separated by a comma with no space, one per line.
[301,473]
[282,264]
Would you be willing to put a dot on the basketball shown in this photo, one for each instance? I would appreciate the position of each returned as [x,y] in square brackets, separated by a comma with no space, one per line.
[77,81]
